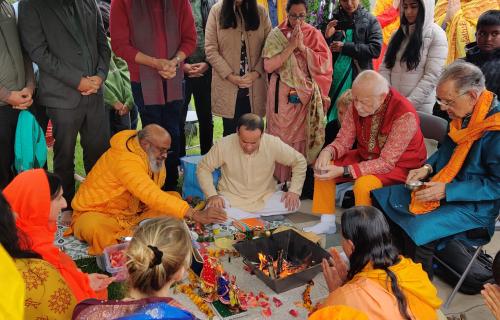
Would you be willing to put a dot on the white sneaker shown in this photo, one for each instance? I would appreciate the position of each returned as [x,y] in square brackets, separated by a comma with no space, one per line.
[326,226]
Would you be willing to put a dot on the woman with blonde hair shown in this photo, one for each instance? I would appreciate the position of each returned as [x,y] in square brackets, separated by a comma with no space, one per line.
[158,255]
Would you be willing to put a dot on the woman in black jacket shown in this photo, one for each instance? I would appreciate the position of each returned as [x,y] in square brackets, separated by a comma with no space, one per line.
[355,38]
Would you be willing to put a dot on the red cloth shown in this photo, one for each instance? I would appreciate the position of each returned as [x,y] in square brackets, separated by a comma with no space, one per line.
[413,156]
[121,35]
[29,197]
[319,62]
[387,17]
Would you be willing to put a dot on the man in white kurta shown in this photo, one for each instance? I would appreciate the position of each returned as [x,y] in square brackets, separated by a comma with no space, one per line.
[247,159]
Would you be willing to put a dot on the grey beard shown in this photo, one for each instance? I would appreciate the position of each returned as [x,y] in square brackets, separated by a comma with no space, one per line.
[154,166]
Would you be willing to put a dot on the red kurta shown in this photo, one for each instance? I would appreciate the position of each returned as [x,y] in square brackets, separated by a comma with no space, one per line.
[389,143]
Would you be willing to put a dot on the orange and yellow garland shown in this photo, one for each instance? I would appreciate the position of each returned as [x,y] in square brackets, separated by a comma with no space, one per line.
[189,290]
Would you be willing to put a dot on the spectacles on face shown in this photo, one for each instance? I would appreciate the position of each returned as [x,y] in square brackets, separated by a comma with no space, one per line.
[448,103]
[300,17]
[162,151]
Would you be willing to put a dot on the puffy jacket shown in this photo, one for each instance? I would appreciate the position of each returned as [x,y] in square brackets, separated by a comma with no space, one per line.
[419,84]
[122,184]
[367,37]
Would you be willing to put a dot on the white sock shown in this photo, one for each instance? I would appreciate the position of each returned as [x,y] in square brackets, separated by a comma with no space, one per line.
[327,225]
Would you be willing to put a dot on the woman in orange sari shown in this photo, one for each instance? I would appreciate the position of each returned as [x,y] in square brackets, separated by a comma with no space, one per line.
[36,198]
[299,61]
[379,282]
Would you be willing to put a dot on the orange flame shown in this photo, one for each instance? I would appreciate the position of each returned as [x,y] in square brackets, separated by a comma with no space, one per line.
[287,269]
[263,262]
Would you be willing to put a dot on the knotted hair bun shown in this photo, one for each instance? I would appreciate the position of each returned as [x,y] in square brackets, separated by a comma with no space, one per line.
[158,250]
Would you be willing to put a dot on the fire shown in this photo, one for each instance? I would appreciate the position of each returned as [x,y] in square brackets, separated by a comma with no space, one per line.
[263,262]
[286,267]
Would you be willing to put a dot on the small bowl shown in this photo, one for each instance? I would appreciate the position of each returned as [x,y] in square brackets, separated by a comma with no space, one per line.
[414,185]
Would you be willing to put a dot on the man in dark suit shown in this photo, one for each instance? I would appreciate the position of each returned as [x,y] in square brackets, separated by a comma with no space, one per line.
[67,40]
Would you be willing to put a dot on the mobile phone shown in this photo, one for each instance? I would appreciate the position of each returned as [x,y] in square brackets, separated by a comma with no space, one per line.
[344,25]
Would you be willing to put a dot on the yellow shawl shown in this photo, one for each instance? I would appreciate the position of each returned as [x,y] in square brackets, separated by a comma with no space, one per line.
[280,8]
[388,30]
[464,138]
[462,28]
[12,289]
[421,295]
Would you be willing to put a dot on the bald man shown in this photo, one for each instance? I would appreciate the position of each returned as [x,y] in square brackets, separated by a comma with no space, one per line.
[389,144]
[124,188]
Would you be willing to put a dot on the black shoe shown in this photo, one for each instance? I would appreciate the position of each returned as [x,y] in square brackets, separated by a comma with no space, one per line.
[348,201]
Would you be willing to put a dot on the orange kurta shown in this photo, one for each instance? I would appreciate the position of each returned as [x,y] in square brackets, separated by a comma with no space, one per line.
[119,192]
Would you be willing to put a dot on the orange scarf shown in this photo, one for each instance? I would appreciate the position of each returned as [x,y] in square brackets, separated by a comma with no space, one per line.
[29,196]
[464,138]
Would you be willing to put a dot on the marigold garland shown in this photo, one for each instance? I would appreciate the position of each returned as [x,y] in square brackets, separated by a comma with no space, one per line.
[188,290]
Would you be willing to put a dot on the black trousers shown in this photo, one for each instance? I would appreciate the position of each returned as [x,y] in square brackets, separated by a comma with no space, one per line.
[90,119]
[40,113]
[8,119]
[168,117]
[242,106]
[331,130]
[200,89]
[419,254]
[118,123]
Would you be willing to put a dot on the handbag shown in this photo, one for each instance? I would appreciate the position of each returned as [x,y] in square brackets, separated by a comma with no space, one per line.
[457,256]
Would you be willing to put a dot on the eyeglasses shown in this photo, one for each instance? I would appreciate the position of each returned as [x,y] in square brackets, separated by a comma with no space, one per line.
[162,151]
[448,102]
[297,17]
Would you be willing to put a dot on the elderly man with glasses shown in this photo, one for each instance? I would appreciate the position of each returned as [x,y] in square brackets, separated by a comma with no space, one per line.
[124,188]
[460,195]
[386,128]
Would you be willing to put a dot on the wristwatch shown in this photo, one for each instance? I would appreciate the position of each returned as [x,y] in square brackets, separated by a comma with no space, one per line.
[178,60]
[347,172]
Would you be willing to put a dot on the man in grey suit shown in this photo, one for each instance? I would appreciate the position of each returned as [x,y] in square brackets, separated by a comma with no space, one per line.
[67,40]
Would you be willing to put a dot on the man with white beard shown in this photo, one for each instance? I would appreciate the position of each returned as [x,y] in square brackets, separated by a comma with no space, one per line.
[124,188]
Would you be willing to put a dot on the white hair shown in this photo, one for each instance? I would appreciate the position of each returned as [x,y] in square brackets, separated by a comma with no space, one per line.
[466,77]
[374,80]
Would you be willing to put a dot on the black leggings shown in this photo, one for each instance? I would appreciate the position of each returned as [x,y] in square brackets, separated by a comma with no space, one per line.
[242,107]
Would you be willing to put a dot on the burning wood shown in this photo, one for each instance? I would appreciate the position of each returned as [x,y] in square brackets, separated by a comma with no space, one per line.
[279,268]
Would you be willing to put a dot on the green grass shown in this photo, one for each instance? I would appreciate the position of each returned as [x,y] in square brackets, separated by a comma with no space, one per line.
[195,140]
